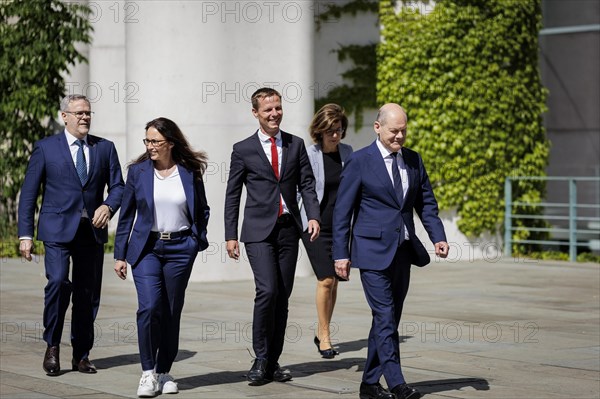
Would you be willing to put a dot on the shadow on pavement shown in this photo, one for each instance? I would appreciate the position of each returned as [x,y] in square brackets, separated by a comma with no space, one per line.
[134,358]
[436,386]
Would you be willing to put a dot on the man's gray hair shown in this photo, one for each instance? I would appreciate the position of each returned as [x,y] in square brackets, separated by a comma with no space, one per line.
[66,100]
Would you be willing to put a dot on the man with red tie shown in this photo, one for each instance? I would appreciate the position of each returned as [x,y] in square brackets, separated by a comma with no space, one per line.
[274,166]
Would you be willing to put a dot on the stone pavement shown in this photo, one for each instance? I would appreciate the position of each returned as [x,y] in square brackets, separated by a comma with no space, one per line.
[502,328]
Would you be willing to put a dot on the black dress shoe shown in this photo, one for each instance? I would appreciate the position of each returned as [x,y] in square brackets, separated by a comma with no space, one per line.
[374,391]
[83,366]
[51,363]
[276,373]
[405,391]
[327,353]
[258,372]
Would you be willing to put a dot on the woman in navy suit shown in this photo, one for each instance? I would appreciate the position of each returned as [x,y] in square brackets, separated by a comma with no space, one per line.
[165,196]
[327,157]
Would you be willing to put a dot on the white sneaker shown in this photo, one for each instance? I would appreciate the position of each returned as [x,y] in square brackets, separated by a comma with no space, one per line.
[166,384]
[148,385]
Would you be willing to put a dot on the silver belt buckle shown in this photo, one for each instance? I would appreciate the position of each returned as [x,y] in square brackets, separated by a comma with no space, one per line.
[165,235]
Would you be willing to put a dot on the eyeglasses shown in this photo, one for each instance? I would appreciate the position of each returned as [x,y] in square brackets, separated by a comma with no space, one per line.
[80,114]
[334,131]
[155,143]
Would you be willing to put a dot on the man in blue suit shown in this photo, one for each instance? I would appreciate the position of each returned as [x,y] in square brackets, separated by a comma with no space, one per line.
[73,168]
[374,231]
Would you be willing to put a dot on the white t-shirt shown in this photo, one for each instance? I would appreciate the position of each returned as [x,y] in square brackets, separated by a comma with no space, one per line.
[170,206]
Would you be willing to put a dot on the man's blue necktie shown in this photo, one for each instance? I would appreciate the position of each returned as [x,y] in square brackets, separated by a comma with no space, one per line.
[80,163]
[398,189]
[397,180]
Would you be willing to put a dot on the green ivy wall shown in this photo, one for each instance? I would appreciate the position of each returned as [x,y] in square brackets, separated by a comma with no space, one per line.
[467,74]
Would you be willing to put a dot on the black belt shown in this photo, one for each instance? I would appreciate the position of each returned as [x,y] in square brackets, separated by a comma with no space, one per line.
[168,235]
[286,218]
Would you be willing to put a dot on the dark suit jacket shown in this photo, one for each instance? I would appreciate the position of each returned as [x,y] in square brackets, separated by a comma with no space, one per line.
[366,191]
[52,167]
[138,204]
[250,166]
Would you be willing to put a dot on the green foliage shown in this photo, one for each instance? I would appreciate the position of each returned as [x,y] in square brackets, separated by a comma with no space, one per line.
[9,247]
[360,91]
[588,257]
[37,45]
[334,11]
[467,74]
[558,255]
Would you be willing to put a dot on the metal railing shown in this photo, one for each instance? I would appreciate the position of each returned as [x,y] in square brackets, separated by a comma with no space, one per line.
[570,216]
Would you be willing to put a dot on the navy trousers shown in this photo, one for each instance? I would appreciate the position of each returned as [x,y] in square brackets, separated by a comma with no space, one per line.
[385,291]
[161,277]
[87,256]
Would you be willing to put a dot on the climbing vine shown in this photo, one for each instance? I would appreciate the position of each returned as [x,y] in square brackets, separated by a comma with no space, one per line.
[360,90]
[467,73]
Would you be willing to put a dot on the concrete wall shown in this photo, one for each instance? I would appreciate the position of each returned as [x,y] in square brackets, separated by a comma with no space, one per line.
[198,62]
[569,62]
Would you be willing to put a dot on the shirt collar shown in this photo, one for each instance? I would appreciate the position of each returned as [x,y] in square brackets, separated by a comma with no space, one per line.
[72,139]
[383,149]
[264,138]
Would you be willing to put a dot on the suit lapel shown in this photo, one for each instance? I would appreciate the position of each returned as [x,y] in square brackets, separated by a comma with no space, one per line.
[92,141]
[147,181]
[411,170]
[63,147]
[377,164]
[187,179]
[285,143]
[261,153]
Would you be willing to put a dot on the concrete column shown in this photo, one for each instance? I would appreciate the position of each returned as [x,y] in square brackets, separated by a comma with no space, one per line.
[197,63]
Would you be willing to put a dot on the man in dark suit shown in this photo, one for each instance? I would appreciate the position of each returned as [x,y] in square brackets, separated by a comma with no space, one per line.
[274,166]
[374,230]
[73,168]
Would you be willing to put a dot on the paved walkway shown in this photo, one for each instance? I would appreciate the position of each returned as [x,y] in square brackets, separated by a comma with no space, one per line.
[501,329]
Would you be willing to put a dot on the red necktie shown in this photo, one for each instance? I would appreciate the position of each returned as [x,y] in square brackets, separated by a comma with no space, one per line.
[275,165]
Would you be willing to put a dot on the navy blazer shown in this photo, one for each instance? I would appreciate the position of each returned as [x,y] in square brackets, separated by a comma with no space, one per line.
[138,205]
[51,166]
[251,167]
[367,193]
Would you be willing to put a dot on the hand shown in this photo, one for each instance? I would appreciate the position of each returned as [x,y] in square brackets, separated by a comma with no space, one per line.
[26,247]
[121,269]
[441,249]
[342,268]
[101,217]
[233,249]
[313,229]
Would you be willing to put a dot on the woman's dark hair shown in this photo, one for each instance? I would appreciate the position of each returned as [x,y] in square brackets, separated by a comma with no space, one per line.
[324,119]
[181,152]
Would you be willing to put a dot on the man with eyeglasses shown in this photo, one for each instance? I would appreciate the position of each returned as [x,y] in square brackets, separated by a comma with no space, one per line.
[73,168]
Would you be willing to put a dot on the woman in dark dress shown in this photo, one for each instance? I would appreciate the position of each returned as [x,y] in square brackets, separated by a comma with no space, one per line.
[327,157]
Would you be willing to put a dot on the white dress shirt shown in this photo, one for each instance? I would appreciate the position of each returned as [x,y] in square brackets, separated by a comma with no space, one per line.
[266,145]
[388,158]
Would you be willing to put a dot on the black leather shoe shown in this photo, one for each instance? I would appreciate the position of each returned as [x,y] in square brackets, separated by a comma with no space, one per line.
[83,366]
[374,391]
[405,391]
[51,363]
[327,353]
[258,372]
[276,373]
